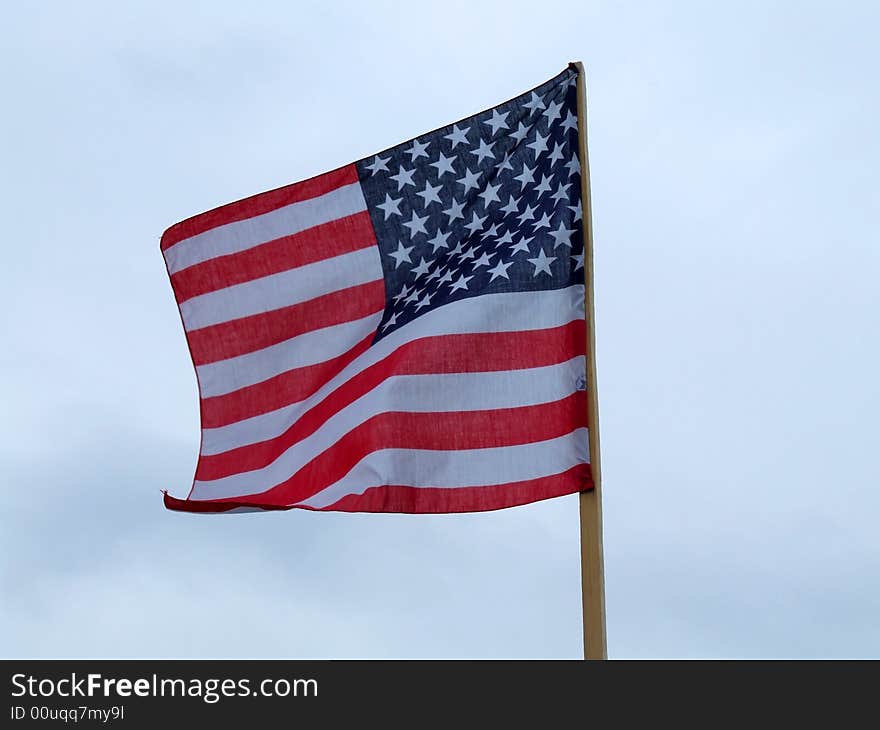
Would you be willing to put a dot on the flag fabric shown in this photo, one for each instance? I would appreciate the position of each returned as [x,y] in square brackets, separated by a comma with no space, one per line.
[402,334]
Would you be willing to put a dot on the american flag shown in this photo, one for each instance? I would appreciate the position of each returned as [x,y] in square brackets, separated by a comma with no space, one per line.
[403,334]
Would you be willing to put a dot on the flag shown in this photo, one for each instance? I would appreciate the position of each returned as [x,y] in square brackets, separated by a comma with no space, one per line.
[402,334]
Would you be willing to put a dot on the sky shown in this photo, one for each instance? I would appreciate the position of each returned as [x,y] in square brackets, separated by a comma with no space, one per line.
[734,156]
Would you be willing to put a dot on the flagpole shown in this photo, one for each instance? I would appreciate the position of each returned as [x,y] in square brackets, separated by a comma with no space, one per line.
[592,562]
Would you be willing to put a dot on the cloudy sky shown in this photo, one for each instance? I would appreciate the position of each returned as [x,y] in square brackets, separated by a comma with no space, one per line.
[735,157]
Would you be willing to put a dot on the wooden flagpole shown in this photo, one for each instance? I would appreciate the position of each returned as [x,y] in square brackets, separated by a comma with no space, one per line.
[592,562]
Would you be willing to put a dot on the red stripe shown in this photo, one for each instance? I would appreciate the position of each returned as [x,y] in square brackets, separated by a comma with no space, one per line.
[212,507]
[259,204]
[414,500]
[248,334]
[451,431]
[488,352]
[274,393]
[325,241]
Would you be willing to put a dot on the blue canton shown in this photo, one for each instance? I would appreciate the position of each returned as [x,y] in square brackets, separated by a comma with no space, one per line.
[489,204]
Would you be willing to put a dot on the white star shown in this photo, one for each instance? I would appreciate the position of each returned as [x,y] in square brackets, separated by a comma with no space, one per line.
[401,254]
[561,192]
[390,206]
[416,224]
[470,180]
[454,210]
[562,235]
[461,283]
[497,121]
[430,193]
[539,145]
[468,253]
[543,186]
[505,164]
[493,231]
[484,260]
[512,206]
[500,269]
[440,240]
[418,150]
[521,131]
[434,274]
[484,150]
[459,247]
[476,223]
[446,278]
[556,153]
[378,164]
[576,209]
[522,245]
[554,110]
[412,297]
[403,292]
[506,238]
[526,176]
[391,320]
[422,267]
[458,136]
[578,260]
[570,121]
[444,165]
[426,300]
[573,165]
[404,177]
[527,214]
[535,102]
[542,263]
[543,223]
[489,194]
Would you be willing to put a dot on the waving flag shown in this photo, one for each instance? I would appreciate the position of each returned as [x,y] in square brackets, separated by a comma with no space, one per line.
[403,334]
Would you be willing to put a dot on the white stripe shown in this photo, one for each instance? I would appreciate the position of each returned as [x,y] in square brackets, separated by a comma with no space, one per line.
[310,348]
[282,289]
[411,394]
[414,394]
[466,468]
[500,312]
[242,235]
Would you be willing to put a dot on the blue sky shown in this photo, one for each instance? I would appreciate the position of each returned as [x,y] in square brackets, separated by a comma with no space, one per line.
[734,160]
